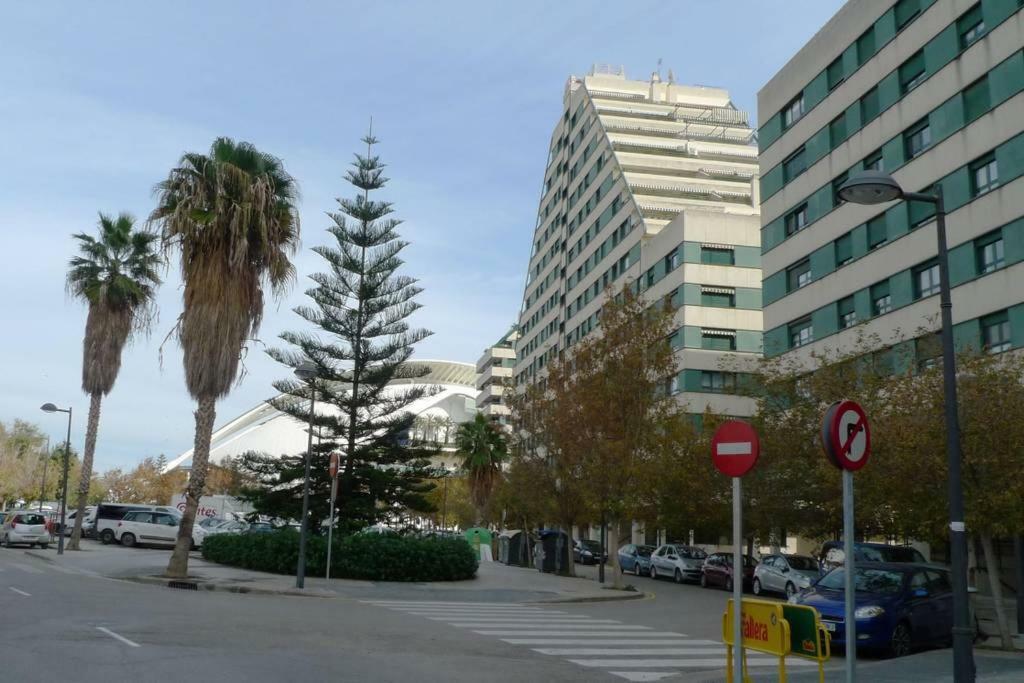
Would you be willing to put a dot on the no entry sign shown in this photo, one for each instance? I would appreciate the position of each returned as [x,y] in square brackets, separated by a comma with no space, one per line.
[332,468]
[734,448]
[846,435]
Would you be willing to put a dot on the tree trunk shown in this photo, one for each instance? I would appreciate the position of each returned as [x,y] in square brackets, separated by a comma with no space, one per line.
[205,414]
[612,536]
[83,482]
[570,567]
[992,567]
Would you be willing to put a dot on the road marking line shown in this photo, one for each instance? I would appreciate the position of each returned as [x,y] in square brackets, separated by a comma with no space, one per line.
[580,627]
[26,568]
[470,613]
[715,663]
[497,623]
[643,675]
[573,632]
[117,636]
[598,651]
[20,592]
[596,641]
[427,603]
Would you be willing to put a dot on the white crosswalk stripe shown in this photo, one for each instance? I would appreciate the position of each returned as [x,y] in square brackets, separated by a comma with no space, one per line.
[633,652]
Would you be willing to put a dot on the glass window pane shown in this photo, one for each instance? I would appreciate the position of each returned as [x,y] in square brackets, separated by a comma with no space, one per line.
[976,99]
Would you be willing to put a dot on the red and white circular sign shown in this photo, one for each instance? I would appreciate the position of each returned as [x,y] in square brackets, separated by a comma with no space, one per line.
[846,435]
[735,448]
[333,467]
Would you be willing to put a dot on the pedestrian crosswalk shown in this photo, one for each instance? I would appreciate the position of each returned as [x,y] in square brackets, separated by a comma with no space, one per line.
[632,652]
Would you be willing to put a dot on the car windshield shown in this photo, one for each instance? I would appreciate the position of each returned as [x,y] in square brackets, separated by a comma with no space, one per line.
[31,519]
[644,550]
[891,553]
[692,553]
[590,545]
[210,522]
[801,563]
[882,581]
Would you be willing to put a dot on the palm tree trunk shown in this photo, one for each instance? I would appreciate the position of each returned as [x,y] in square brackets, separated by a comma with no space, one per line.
[992,569]
[205,414]
[83,482]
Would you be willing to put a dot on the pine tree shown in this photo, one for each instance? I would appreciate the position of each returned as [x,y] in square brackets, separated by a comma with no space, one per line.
[361,308]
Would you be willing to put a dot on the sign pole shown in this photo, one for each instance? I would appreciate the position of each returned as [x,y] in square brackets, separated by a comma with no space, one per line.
[737,579]
[849,587]
[330,527]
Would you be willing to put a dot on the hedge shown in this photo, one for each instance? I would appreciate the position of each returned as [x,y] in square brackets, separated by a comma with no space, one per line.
[370,557]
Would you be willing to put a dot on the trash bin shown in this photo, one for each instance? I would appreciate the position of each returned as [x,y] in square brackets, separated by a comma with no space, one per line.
[513,548]
[554,555]
[480,539]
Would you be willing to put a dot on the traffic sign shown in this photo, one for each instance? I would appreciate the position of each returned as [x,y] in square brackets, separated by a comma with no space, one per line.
[735,448]
[846,435]
[333,467]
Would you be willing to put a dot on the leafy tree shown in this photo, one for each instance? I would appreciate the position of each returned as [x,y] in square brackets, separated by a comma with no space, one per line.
[22,454]
[364,383]
[482,447]
[117,275]
[232,217]
[453,503]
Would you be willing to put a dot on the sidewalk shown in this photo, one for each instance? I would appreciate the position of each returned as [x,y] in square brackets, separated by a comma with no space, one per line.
[494,582]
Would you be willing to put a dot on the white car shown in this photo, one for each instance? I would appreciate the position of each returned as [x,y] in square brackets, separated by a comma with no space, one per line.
[143,527]
[23,527]
[678,561]
[787,574]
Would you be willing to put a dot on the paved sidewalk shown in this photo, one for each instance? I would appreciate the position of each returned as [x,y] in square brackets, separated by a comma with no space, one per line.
[494,582]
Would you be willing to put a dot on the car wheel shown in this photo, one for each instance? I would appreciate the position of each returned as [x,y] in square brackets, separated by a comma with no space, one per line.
[44,546]
[654,572]
[757,586]
[728,584]
[790,589]
[127,539]
[7,542]
[899,644]
[678,576]
[636,569]
[107,537]
[703,580]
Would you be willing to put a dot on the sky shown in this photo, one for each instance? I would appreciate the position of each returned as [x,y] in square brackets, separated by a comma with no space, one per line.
[99,100]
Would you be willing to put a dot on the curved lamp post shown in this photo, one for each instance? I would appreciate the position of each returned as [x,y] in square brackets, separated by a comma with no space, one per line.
[307,372]
[50,408]
[876,187]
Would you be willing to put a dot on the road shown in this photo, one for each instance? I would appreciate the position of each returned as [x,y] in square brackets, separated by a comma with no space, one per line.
[64,625]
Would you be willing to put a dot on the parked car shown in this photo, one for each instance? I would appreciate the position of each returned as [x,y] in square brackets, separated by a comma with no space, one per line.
[717,571]
[635,558]
[586,551]
[899,606]
[681,562]
[832,555]
[24,528]
[787,574]
[109,514]
[144,527]
[69,519]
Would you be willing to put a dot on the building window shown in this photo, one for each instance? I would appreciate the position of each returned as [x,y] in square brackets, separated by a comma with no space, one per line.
[917,139]
[984,175]
[837,130]
[794,165]
[796,220]
[912,72]
[672,385]
[921,212]
[995,332]
[970,27]
[800,333]
[798,276]
[977,99]
[847,313]
[881,301]
[837,183]
[834,73]
[718,340]
[989,253]
[844,250]
[928,351]
[671,260]
[794,111]
[869,106]
[877,233]
[905,11]
[717,256]
[874,161]
[718,298]
[866,46]
[926,280]
[717,381]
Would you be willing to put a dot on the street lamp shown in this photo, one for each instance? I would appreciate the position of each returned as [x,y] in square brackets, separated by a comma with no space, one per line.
[307,372]
[50,408]
[876,187]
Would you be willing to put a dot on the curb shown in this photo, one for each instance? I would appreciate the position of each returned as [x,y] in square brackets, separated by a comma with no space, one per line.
[40,556]
[226,588]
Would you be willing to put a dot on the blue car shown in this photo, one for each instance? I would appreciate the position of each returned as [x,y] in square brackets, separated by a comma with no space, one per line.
[635,559]
[899,607]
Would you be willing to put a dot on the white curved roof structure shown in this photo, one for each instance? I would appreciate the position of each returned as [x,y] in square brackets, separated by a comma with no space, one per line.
[266,429]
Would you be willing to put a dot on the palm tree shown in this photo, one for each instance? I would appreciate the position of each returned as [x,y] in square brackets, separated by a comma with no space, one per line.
[232,216]
[482,447]
[117,275]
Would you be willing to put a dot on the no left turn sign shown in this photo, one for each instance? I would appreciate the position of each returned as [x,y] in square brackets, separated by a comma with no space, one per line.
[846,435]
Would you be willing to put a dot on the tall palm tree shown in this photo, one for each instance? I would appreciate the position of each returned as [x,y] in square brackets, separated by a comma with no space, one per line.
[117,275]
[482,447]
[233,218]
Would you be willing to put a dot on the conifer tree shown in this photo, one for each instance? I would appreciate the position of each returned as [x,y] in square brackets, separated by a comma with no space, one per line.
[362,343]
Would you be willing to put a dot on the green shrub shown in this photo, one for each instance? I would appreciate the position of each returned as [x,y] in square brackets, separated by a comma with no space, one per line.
[370,557]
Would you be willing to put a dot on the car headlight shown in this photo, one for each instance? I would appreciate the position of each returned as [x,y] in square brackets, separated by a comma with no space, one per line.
[869,612]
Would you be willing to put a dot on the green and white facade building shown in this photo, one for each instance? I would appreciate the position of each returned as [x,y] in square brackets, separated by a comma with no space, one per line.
[494,375]
[932,92]
[651,183]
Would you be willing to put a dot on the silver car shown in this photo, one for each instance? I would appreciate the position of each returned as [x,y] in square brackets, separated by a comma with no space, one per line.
[27,528]
[788,574]
[681,562]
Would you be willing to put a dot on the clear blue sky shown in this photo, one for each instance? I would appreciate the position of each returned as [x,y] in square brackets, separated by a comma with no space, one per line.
[99,100]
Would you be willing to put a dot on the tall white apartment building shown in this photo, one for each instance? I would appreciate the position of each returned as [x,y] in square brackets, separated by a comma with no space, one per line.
[654,184]
[494,374]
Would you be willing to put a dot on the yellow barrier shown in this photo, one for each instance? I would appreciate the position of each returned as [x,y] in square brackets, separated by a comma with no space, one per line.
[778,629]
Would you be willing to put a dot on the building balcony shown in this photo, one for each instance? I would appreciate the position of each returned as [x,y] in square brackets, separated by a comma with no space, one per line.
[493,375]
